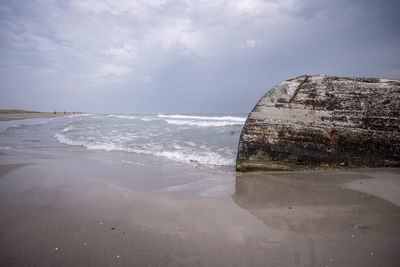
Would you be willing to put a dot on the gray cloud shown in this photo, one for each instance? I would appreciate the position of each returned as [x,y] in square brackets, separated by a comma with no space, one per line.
[184,56]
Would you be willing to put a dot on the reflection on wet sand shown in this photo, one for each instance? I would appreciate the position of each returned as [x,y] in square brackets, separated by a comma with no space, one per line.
[319,202]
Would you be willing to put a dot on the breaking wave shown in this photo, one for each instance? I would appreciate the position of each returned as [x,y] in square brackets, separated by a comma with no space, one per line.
[180,154]
[203,123]
[208,118]
[207,140]
[123,116]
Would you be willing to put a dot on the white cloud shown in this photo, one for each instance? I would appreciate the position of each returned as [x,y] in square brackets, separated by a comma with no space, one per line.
[40,43]
[123,35]
[148,79]
[116,7]
[256,8]
[96,7]
[125,52]
[111,69]
[250,43]
[176,32]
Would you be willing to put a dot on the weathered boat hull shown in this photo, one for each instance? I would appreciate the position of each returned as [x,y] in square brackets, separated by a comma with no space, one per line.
[317,120]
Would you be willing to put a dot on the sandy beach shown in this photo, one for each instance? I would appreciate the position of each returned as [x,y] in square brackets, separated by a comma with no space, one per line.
[22,116]
[81,208]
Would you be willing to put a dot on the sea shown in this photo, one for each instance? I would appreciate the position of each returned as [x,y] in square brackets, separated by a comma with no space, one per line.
[205,140]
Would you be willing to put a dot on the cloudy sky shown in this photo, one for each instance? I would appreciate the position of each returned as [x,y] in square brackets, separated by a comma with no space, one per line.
[184,56]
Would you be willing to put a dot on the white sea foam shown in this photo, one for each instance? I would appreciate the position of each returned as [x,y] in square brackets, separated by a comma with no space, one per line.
[107,133]
[124,116]
[201,123]
[78,115]
[180,154]
[190,143]
[212,118]
[130,117]
[205,158]
[68,128]
[64,140]
[35,123]
[95,146]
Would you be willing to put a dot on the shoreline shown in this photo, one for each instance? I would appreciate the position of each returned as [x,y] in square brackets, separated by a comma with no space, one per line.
[79,207]
[22,116]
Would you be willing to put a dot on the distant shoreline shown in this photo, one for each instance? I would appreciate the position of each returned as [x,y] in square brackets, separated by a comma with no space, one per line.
[8,115]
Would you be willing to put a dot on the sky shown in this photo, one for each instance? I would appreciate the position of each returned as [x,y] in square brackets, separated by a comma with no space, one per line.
[165,56]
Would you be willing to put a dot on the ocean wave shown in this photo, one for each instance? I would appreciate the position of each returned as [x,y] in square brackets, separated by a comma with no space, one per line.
[181,155]
[204,123]
[130,117]
[208,118]
[68,128]
[205,158]
[78,115]
[190,143]
[124,117]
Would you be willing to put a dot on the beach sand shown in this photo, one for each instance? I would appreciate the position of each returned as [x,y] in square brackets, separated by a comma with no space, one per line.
[80,209]
[22,116]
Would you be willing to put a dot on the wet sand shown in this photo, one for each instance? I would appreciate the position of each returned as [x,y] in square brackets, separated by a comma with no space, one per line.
[79,209]
[22,116]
